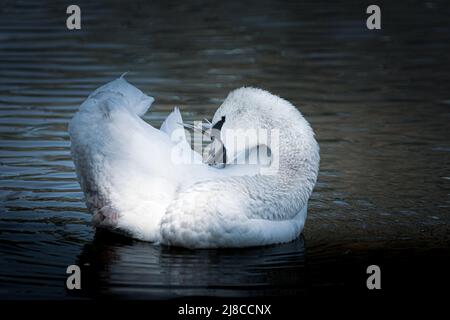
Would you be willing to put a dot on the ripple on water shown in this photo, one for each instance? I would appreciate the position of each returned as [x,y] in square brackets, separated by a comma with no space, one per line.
[378,103]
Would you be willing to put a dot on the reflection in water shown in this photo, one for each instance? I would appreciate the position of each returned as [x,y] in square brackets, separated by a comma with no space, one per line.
[379,102]
[118,266]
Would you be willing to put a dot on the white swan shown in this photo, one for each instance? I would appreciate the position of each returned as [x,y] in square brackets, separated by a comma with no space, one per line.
[131,183]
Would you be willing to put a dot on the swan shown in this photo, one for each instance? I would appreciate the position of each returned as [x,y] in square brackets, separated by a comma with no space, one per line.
[132,184]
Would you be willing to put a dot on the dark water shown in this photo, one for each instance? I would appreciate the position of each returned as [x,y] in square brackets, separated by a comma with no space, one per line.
[379,102]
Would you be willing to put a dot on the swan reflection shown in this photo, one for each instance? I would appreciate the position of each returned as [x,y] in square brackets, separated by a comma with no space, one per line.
[117,266]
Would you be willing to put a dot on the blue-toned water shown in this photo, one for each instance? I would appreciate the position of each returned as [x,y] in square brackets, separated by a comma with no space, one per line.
[379,102]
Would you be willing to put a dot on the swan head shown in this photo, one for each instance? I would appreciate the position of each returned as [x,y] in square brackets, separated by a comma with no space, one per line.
[250,119]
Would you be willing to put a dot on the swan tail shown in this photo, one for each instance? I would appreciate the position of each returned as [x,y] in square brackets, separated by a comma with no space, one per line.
[121,93]
[173,122]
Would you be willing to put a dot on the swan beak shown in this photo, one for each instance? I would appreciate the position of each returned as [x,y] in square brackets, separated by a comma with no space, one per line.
[217,156]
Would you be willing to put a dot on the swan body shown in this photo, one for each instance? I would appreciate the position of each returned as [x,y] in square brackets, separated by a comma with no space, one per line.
[132,184]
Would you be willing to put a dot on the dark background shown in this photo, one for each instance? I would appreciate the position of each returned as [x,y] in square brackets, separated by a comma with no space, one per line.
[379,102]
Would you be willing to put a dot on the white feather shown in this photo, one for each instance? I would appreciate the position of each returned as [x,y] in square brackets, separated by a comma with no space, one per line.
[132,184]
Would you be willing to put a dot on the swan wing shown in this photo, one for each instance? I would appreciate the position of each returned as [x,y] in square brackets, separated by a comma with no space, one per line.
[121,161]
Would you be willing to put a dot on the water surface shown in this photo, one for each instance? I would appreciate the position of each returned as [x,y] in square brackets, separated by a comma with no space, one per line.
[379,102]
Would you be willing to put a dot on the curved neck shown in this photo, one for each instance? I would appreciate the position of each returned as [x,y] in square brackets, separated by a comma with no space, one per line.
[281,191]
